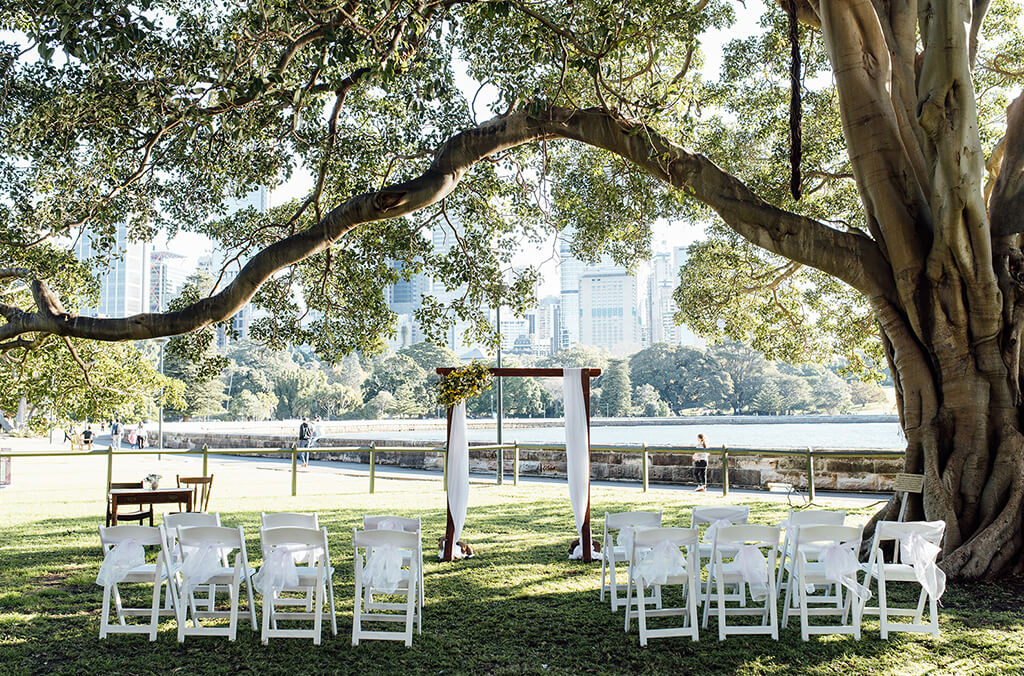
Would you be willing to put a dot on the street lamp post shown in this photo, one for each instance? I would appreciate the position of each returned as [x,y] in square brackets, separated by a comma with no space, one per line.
[160,424]
[501,452]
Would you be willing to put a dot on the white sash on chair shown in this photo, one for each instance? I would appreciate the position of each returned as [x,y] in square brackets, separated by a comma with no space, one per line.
[383,570]
[921,554]
[753,568]
[660,562]
[119,561]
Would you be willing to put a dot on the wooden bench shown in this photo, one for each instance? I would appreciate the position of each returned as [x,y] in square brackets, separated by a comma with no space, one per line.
[77,444]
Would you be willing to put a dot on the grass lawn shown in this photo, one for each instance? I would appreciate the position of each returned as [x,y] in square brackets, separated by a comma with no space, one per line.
[518,607]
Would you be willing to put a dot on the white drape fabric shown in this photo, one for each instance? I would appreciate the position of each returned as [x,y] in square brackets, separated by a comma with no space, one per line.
[119,561]
[921,554]
[200,565]
[577,465]
[625,539]
[753,568]
[383,570]
[660,562]
[709,534]
[841,566]
[458,469]
[278,570]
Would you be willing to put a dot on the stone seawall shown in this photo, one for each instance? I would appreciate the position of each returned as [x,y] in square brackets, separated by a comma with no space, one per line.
[840,474]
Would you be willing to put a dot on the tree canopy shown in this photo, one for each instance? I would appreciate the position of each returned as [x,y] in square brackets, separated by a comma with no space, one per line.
[910,183]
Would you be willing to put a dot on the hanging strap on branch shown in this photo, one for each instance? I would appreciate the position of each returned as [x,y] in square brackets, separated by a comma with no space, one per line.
[795,133]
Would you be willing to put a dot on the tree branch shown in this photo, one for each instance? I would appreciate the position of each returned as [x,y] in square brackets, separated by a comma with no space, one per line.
[1006,205]
[851,257]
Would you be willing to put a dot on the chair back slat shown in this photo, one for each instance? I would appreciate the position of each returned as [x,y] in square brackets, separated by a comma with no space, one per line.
[201,487]
[620,520]
[289,520]
[407,524]
[290,535]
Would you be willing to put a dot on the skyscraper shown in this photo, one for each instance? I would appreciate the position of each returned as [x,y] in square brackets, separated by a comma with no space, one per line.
[167,274]
[124,285]
[609,311]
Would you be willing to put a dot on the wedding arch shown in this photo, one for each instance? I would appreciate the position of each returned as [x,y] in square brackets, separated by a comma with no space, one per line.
[577,450]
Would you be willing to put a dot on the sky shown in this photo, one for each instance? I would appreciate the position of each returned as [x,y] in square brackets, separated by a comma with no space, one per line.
[666,235]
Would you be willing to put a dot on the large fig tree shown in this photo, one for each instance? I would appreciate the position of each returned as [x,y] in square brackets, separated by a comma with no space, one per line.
[154,113]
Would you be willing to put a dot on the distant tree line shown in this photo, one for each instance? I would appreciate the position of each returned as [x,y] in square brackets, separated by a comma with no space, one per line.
[663,380]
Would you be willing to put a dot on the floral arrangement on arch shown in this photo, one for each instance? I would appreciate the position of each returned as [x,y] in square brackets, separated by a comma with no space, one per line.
[462,383]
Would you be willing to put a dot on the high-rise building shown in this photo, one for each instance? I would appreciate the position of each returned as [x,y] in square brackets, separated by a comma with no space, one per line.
[124,284]
[609,311]
[661,305]
[570,269]
[167,274]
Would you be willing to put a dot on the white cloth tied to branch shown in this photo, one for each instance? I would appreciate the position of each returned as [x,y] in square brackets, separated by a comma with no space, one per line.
[383,570]
[660,562]
[119,561]
[753,568]
[278,570]
[841,567]
[201,563]
[921,554]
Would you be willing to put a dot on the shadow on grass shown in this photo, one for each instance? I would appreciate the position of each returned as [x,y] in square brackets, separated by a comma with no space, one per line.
[519,607]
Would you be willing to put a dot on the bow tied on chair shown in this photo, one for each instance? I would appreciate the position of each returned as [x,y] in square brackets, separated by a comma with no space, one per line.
[119,561]
[383,569]
[200,565]
[625,539]
[921,554]
[660,562]
[753,567]
[709,534]
[278,570]
[841,567]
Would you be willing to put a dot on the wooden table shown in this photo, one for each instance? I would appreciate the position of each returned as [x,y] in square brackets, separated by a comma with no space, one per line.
[147,496]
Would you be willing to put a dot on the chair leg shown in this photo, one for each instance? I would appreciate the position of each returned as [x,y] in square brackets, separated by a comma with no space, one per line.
[934,615]
[772,602]
[334,614]
[629,597]
[357,616]
[268,610]
[410,609]
[105,616]
[154,618]
[641,607]
[604,560]
[721,608]
[318,614]
[804,622]
[883,609]
[920,605]
[118,607]
[691,604]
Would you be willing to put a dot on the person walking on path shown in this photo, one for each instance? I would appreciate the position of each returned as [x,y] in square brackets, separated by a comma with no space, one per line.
[317,432]
[700,464]
[115,434]
[305,439]
[140,436]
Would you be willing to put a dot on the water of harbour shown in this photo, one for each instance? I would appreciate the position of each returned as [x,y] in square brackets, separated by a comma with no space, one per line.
[885,435]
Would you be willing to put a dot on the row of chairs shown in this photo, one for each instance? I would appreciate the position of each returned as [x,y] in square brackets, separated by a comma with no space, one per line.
[295,580]
[816,565]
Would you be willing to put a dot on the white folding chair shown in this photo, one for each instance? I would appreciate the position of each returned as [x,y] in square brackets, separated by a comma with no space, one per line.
[203,549]
[834,563]
[280,547]
[386,563]
[916,544]
[742,545]
[292,520]
[403,523]
[716,517]
[656,561]
[124,562]
[797,518]
[175,520]
[621,525]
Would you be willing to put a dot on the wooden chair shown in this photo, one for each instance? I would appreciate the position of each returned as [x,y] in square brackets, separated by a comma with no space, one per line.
[201,486]
[139,516]
[77,444]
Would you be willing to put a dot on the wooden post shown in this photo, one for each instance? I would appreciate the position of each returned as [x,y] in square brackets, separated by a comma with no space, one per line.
[585,535]
[810,474]
[449,531]
[295,470]
[643,468]
[515,461]
[206,458]
[110,466]
[725,470]
[373,463]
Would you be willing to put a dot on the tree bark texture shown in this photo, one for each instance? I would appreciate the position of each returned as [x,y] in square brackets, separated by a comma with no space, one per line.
[943,266]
